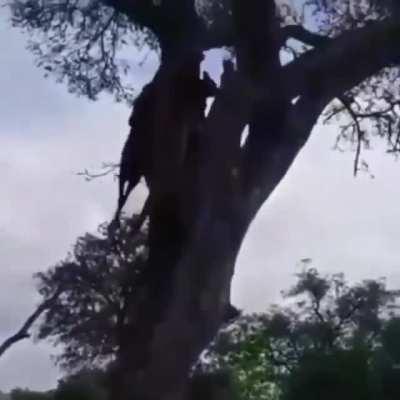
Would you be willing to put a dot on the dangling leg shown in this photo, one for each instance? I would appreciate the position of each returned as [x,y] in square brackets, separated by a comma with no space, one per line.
[123,195]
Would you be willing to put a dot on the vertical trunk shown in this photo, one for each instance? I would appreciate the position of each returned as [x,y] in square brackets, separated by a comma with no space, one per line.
[174,326]
[200,212]
[195,235]
[199,293]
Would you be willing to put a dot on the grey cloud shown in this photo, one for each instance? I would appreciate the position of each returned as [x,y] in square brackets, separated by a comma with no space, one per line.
[28,366]
[320,211]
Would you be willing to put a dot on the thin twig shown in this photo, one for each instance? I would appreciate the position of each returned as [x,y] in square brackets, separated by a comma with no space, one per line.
[360,133]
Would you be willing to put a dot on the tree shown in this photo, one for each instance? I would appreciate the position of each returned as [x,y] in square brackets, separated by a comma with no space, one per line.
[205,185]
[4,396]
[85,296]
[26,394]
[359,371]
[386,362]
[332,340]
[244,352]
[90,316]
[327,314]
[84,385]
[341,374]
[217,385]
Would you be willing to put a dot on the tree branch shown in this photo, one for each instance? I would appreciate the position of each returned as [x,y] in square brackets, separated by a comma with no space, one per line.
[107,169]
[317,77]
[317,311]
[269,159]
[142,12]
[357,127]
[220,35]
[303,35]
[23,332]
[171,21]
[327,71]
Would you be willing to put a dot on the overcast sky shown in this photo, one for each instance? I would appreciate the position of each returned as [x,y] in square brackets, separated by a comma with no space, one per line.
[47,135]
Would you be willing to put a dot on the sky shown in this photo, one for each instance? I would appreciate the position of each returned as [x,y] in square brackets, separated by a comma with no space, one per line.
[47,135]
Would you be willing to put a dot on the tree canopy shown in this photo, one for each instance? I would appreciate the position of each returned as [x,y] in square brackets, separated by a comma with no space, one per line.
[91,45]
[96,280]
[330,340]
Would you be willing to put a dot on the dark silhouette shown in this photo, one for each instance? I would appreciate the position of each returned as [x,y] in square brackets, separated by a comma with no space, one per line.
[331,340]
[136,154]
[136,157]
[91,318]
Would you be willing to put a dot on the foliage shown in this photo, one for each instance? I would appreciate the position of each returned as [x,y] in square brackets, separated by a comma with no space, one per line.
[89,45]
[87,384]
[217,385]
[82,43]
[327,341]
[96,282]
[340,374]
[385,376]
[84,385]
[91,384]
[370,110]
[359,372]
[252,369]
[26,394]
[326,313]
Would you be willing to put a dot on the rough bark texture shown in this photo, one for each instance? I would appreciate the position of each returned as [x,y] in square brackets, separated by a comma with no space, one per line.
[203,203]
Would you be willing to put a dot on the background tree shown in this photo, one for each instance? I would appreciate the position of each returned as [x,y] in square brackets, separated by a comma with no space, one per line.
[327,313]
[206,185]
[341,373]
[4,396]
[26,394]
[216,385]
[83,385]
[89,317]
[244,353]
[386,362]
[331,340]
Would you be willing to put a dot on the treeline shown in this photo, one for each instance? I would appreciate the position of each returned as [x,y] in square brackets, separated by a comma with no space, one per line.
[327,338]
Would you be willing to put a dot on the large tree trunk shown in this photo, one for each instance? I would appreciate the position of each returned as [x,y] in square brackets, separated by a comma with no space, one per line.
[197,224]
[181,327]
[201,208]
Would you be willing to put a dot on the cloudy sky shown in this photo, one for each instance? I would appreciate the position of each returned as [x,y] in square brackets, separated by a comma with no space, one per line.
[47,135]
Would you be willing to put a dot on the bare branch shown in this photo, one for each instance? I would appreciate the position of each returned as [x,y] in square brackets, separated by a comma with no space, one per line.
[327,70]
[107,169]
[23,332]
[303,35]
[359,131]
